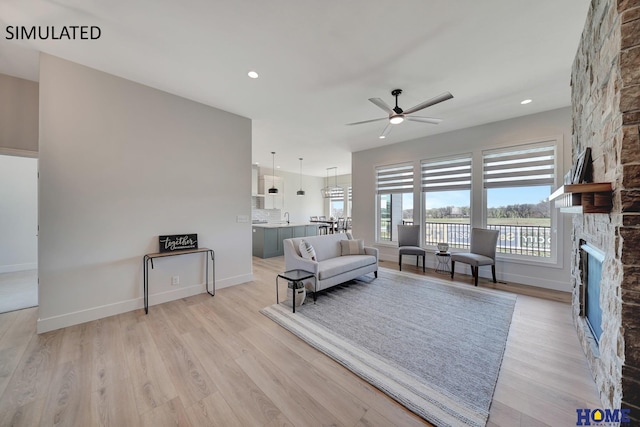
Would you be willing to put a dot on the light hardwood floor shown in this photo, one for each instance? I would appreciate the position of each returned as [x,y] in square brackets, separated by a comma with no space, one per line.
[206,361]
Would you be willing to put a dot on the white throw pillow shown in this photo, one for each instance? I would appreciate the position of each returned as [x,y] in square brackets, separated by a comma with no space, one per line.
[307,251]
[352,247]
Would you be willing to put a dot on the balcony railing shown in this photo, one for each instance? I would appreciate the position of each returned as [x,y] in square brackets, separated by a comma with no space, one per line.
[529,240]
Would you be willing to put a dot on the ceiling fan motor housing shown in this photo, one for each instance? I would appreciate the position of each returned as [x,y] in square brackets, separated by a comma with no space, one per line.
[395,93]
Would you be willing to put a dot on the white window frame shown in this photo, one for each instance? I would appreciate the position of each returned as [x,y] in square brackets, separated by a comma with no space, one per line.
[440,174]
[392,179]
[527,179]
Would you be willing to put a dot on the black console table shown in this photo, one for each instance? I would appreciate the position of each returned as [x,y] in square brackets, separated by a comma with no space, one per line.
[149,258]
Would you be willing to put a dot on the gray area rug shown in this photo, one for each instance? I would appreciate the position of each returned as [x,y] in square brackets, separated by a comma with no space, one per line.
[434,346]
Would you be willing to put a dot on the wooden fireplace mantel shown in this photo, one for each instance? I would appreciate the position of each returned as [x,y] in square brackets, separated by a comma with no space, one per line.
[593,197]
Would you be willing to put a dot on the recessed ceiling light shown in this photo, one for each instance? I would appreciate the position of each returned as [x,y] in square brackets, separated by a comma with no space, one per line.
[382,137]
[526,101]
[252,74]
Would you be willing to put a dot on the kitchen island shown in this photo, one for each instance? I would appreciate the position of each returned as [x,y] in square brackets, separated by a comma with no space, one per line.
[268,237]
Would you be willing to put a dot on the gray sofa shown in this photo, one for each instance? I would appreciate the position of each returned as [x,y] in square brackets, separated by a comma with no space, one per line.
[330,267]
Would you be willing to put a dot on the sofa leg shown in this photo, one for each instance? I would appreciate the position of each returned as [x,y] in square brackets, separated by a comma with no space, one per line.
[493,271]
[375,273]
[423,263]
[475,274]
[400,262]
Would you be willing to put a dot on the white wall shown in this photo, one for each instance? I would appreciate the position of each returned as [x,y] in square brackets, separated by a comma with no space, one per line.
[555,123]
[120,164]
[18,213]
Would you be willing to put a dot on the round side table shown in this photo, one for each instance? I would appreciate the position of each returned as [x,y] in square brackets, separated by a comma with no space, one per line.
[443,260]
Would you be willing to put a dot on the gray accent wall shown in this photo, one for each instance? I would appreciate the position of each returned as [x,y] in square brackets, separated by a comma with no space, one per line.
[120,164]
[530,128]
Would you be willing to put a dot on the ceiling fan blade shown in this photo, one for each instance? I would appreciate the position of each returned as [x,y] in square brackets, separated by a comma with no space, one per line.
[431,120]
[367,121]
[386,130]
[380,103]
[433,101]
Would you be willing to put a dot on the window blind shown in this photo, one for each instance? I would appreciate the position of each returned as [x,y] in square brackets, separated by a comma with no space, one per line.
[522,167]
[336,193]
[394,179]
[446,174]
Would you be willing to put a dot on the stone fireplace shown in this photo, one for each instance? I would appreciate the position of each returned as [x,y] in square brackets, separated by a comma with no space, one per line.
[606,117]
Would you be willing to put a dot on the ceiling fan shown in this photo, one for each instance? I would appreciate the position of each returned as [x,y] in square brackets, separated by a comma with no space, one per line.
[397,115]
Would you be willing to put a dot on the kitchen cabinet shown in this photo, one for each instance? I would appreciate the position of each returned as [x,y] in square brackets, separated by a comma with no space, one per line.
[267,238]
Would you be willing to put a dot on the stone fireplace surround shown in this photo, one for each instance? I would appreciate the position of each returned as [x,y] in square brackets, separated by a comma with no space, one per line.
[605,84]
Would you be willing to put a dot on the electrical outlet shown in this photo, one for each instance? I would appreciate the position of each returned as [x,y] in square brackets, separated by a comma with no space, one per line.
[175,280]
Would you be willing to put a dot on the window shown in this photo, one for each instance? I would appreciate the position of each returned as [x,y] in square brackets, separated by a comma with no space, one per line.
[394,187]
[446,191]
[517,183]
[349,201]
[336,202]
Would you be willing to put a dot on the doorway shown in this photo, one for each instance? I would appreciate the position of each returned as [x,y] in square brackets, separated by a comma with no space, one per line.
[19,229]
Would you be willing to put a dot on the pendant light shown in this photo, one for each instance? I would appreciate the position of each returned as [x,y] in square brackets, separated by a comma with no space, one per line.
[300,191]
[326,191]
[273,190]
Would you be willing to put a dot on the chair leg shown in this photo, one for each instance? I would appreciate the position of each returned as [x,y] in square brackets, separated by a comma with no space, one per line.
[400,262]
[475,274]
[493,271]
[453,268]
[423,263]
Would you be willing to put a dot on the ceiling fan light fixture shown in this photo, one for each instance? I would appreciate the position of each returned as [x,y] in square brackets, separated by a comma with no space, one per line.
[396,120]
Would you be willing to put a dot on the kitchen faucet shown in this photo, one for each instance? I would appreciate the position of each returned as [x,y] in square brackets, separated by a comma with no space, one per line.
[286,215]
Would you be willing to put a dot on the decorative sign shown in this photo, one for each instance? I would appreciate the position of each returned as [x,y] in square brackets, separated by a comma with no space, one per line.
[178,242]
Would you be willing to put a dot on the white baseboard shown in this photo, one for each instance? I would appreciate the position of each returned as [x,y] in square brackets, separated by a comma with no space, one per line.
[539,282]
[95,313]
[18,267]
[236,280]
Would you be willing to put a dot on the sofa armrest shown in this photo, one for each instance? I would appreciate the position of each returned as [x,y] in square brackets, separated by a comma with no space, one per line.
[299,263]
[371,251]
[293,261]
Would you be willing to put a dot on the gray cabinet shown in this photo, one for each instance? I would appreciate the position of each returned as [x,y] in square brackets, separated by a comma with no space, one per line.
[299,231]
[311,230]
[267,241]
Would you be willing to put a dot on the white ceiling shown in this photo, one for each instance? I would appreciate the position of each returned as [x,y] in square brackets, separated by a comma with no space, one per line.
[319,61]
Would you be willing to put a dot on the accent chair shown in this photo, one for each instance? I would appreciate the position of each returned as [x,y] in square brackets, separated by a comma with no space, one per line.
[482,252]
[409,244]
